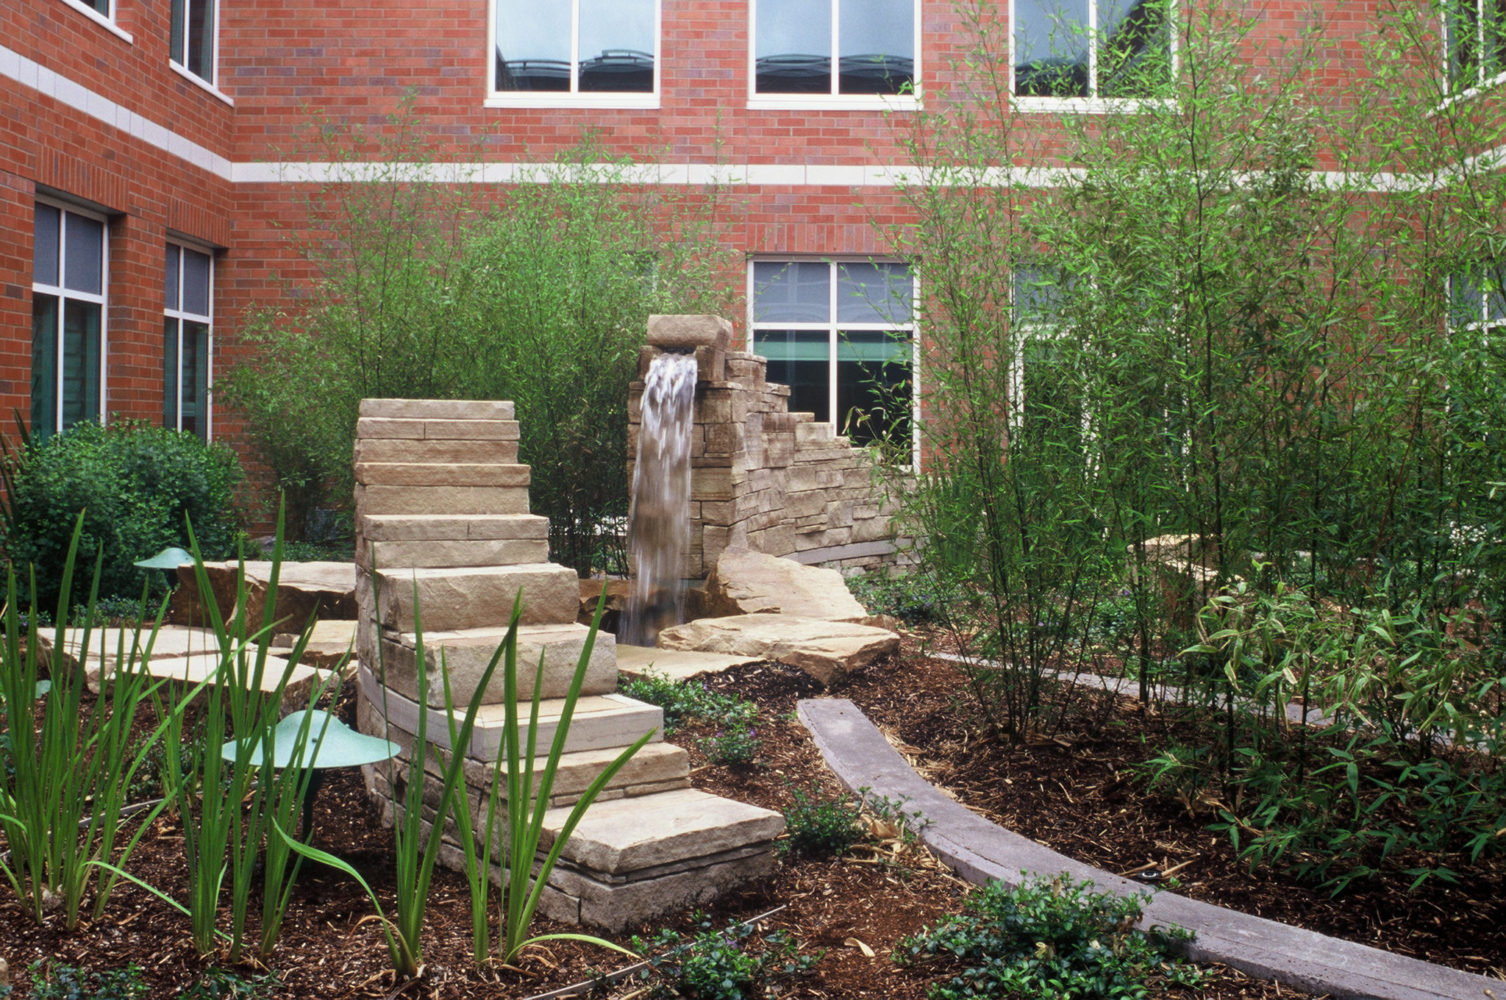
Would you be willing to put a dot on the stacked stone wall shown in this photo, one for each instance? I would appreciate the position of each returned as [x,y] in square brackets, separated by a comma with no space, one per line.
[777,482]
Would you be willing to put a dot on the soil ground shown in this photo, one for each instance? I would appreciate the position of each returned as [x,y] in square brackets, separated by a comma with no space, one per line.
[1071,793]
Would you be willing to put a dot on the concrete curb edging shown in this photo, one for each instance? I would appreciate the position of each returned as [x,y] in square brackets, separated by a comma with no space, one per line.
[979,850]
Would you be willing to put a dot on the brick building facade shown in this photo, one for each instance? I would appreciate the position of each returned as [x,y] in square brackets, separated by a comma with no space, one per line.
[148,188]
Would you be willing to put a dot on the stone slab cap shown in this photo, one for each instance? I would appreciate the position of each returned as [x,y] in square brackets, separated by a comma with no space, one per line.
[438,409]
[575,897]
[440,553]
[746,582]
[322,589]
[465,654]
[624,835]
[979,850]
[436,450]
[441,474]
[456,500]
[600,721]
[825,650]
[418,429]
[475,596]
[422,528]
[671,331]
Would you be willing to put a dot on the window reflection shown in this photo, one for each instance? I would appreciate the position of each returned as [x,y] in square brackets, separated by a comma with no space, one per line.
[613,40]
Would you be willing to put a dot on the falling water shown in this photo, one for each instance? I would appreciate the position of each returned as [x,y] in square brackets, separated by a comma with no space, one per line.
[659,532]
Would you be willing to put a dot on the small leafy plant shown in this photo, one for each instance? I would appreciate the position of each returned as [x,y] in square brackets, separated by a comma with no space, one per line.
[820,826]
[721,964]
[735,746]
[1048,939]
[683,700]
[71,982]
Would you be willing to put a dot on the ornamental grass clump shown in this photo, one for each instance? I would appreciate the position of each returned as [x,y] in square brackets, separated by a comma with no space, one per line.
[64,782]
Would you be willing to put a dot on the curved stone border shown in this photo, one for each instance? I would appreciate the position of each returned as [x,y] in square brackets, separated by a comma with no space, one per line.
[979,851]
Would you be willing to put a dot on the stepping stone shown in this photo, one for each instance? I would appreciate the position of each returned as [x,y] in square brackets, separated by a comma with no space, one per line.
[465,654]
[825,650]
[633,859]
[456,598]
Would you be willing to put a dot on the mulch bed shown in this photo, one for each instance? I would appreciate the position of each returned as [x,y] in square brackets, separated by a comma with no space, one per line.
[331,945]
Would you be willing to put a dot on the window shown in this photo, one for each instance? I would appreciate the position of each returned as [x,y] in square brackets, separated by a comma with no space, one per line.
[185,331]
[1091,48]
[1477,299]
[193,34]
[841,336]
[579,48]
[834,48]
[1047,411]
[1474,34]
[67,319]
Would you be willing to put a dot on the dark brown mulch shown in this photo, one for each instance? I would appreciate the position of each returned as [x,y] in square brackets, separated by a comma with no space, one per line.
[1076,793]
[841,909]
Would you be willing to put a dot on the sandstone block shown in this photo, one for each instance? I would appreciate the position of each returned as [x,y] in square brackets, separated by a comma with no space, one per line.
[439,450]
[466,653]
[441,474]
[746,582]
[825,650]
[452,552]
[689,331]
[419,528]
[657,764]
[438,409]
[441,500]
[475,596]
[615,906]
[675,828]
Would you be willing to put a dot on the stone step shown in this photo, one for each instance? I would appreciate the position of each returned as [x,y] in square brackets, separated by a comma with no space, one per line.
[420,429]
[385,499]
[600,721]
[439,409]
[633,859]
[657,767]
[465,653]
[452,449]
[441,474]
[463,597]
[452,540]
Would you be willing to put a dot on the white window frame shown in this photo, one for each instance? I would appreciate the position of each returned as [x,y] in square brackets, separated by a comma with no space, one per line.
[180,315]
[106,20]
[65,295]
[832,101]
[1093,103]
[834,328]
[574,97]
[1481,82]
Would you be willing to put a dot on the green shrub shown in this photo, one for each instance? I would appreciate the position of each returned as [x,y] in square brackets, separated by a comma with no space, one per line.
[735,746]
[819,826]
[683,700]
[721,965]
[135,485]
[1050,939]
[71,982]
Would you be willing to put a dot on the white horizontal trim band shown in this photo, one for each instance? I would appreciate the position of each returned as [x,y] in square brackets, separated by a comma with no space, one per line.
[29,73]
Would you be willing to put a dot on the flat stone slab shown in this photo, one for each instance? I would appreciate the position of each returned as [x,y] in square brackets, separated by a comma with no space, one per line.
[676,664]
[305,590]
[465,597]
[466,653]
[438,409]
[825,650]
[668,829]
[744,582]
[330,644]
[979,851]
[600,721]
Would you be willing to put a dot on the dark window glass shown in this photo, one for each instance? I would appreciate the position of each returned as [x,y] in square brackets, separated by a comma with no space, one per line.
[800,359]
[876,46]
[44,363]
[873,386]
[794,47]
[798,292]
[45,248]
[83,254]
[81,347]
[1135,52]
[1051,48]
[170,271]
[195,282]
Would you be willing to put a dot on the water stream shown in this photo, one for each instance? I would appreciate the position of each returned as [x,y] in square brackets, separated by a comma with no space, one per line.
[659,528]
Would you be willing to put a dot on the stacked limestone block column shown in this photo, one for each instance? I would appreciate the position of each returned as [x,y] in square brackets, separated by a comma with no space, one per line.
[444,538]
[762,477]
